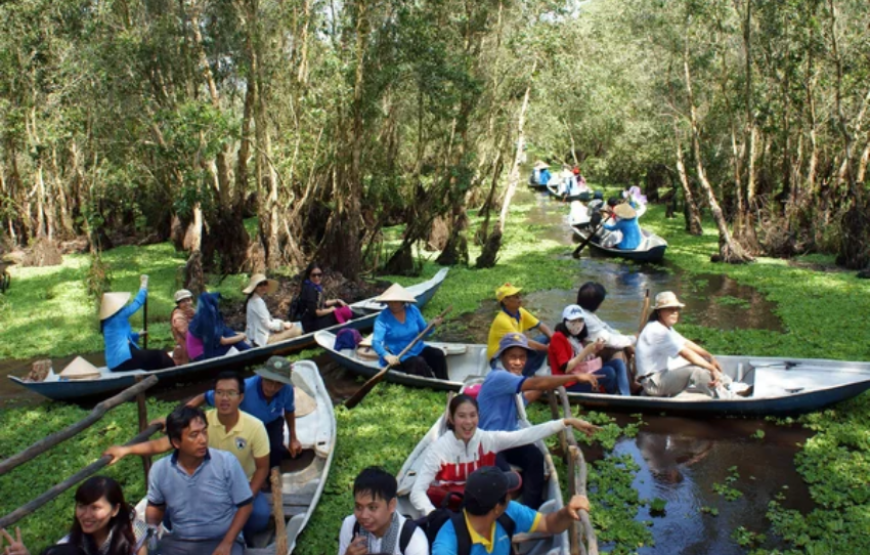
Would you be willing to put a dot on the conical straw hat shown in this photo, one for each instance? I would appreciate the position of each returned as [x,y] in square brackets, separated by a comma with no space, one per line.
[396,293]
[625,211]
[256,280]
[112,303]
[540,164]
[80,369]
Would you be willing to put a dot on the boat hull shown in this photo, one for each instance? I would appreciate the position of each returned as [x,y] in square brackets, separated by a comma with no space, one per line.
[112,382]
[815,384]
[652,254]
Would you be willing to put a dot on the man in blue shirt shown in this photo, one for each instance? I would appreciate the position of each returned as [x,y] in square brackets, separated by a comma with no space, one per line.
[481,521]
[205,489]
[269,397]
[498,408]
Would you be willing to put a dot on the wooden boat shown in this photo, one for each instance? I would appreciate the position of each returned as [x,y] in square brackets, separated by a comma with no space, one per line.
[553,189]
[557,544]
[61,389]
[781,386]
[652,248]
[303,478]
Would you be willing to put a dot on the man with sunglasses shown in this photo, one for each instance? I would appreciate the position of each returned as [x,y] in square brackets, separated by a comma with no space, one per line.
[229,429]
[513,318]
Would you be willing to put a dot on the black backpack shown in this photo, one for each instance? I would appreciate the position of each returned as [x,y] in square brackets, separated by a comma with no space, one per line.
[297,309]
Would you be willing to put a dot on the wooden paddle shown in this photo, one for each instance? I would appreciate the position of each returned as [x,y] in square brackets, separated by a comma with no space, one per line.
[355,399]
[576,253]
[643,313]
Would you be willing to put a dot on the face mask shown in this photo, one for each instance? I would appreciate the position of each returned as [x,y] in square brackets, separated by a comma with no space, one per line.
[575,326]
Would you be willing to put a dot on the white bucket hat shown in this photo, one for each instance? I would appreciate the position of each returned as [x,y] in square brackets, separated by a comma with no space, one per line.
[182,294]
[80,369]
[396,293]
[667,299]
[112,303]
[256,280]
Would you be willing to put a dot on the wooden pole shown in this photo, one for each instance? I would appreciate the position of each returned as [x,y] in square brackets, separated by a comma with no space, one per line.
[145,323]
[554,411]
[278,513]
[96,414]
[86,472]
[143,423]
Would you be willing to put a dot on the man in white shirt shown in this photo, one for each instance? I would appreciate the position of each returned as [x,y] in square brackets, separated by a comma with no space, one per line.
[375,526]
[667,362]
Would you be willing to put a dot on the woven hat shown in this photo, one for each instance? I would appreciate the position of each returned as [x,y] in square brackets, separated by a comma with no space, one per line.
[506,290]
[573,312]
[540,164]
[80,369]
[667,299]
[256,280]
[396,293]
[625,211]
[112,303]
[277,369]
[510,340]
[182,294]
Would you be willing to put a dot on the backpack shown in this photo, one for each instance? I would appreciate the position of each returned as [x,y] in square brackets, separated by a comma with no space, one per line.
[297,310]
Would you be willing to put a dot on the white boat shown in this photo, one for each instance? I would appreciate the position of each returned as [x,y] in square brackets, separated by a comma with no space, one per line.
[532,544]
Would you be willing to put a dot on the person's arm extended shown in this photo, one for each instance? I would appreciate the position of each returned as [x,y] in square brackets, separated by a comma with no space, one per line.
[546,330]
[698,360]
[237,338]
[548,383]
[294,446]
[704,353]
[259,477]
[147,448]
[197,401]
[559,521]
[239,520]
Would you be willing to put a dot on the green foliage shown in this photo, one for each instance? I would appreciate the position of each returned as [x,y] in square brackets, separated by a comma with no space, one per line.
[727,490]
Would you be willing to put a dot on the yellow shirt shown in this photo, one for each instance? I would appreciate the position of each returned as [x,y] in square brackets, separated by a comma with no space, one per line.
[247,440]
[504,324]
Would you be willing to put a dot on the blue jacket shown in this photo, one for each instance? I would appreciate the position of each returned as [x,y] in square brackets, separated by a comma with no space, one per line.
[631,236]
[119,335]
[393,336]
[544,177]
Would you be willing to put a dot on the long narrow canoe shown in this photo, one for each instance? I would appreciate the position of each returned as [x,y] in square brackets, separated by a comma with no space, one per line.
[652,248]
[303,478]
[781,386]
[60,389]
[557,544]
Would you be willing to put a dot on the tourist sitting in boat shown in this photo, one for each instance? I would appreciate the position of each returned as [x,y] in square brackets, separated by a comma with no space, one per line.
[262,329]
[317,312]
[497,399]
[103,522]
[122,344]
[465,448]
[541,173]
[207,335]
[487,512]
[625,234]
[573,352]
[574,186]
[227,429]
[202,488]
[375,525]
[396,327]
[667,362]
[270,397]
[179,321]
[513,318]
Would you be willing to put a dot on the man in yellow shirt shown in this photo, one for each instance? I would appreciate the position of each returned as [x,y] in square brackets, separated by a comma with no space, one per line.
[513,318]
[229,429]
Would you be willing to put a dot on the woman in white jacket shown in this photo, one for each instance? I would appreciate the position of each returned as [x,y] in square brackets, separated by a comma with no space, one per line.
[261,328]
[465,448]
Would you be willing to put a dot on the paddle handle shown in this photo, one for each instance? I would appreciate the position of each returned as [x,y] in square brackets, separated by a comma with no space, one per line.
[355,399]
[643,313]
[585,242]
[145,323]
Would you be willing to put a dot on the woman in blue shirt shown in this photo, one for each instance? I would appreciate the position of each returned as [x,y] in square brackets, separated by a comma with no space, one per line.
[627,225]
[396,327]
[122,349]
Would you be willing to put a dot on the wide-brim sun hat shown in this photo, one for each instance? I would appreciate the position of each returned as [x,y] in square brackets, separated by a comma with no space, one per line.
[182,294]
[396,293]
[80,369]
[112,303]
[624,211]
[510,340]
[256,280]
[277,369]
[540,164]
[573,312]
[506,290]
[667,299]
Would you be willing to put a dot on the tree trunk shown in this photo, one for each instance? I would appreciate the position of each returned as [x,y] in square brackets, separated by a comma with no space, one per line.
[693,215]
